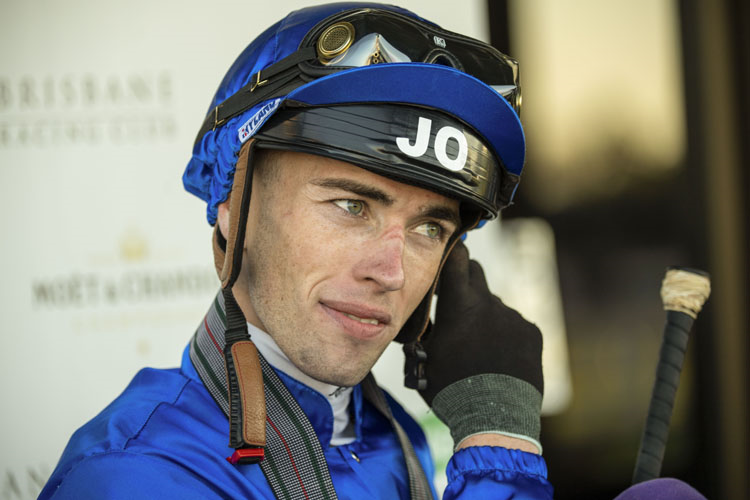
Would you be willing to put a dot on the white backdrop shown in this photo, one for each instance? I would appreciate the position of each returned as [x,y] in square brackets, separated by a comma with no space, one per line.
[106,263]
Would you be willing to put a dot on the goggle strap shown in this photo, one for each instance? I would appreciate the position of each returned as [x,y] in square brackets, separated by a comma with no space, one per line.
[265,84]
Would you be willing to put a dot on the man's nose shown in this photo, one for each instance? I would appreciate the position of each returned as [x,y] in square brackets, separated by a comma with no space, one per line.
[383,260]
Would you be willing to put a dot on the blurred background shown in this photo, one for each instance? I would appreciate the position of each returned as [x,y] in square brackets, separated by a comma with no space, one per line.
[637,122]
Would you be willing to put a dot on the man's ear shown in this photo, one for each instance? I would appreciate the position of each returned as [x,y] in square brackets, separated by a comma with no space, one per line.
[223,218]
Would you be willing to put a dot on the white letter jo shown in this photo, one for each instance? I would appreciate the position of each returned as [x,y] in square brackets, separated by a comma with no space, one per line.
[422,140]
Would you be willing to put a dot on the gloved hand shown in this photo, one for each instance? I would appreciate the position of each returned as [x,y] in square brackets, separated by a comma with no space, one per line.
[484,360]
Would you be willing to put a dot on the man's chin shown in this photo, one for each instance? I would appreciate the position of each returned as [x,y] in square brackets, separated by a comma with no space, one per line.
[339,376]
[344,380]
[337,363]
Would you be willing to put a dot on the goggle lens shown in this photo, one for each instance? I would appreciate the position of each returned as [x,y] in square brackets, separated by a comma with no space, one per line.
[359,38]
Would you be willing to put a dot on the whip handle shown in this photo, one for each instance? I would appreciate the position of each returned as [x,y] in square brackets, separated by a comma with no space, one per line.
[656,431]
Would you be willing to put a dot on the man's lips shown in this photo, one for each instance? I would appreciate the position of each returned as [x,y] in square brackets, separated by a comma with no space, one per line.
[360,312]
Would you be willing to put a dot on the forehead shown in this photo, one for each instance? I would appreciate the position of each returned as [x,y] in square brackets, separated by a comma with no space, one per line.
[295,169]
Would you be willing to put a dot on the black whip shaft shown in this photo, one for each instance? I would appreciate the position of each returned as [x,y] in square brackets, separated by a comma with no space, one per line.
[656,431]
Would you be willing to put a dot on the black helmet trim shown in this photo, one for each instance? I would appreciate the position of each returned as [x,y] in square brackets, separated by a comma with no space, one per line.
[411,144]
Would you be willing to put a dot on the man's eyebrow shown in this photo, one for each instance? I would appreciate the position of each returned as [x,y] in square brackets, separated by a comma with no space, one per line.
[440,212]
[355,187]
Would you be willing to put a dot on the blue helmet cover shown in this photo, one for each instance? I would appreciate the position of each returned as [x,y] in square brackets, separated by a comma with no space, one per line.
[210,172]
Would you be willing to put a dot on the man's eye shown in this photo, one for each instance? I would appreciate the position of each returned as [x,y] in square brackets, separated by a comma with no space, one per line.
[432,230]
[354,207]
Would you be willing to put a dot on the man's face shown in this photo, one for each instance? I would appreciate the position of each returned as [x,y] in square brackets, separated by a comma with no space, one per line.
[337,258]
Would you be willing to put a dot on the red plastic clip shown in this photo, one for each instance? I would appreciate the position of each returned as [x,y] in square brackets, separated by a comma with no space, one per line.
[246,456]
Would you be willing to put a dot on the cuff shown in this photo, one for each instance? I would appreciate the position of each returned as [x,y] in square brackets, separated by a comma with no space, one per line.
[490,403]
[483,458]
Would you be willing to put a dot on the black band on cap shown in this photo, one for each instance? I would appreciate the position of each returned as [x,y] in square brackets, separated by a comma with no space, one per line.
[415,145]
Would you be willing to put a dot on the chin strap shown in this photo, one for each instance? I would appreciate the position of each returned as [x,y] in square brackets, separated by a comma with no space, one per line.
[419,323]
[247,404]
[414,377]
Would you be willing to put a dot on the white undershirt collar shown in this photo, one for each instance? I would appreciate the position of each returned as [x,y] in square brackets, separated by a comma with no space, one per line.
[338,397]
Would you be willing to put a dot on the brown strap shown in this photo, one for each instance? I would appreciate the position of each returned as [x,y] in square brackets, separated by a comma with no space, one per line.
[252,397]
[239,201]
[220,255]
[247,411]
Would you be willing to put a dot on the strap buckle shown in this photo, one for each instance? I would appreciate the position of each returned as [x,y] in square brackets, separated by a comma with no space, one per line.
[217,122]
[244,456]
[414,376]
[258,83]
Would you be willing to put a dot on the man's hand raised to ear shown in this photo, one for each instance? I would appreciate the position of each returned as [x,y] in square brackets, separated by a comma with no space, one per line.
[484,362]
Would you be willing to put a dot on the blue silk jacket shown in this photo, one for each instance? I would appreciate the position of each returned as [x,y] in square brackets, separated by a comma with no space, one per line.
[165,437]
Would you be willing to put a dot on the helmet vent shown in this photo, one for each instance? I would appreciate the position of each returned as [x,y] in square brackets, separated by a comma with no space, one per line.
[335,40]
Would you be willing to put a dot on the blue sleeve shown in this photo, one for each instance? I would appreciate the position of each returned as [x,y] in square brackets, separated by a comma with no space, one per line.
[123,475]
[497,473]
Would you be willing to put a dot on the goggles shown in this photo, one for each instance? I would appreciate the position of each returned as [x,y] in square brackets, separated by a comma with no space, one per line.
[364,37]
[359,38]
